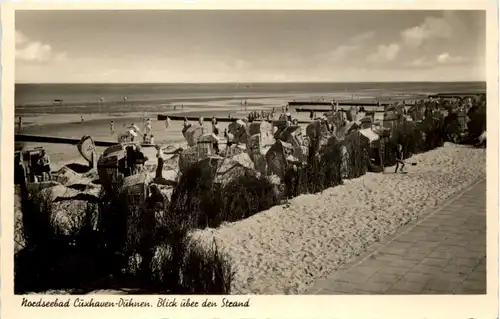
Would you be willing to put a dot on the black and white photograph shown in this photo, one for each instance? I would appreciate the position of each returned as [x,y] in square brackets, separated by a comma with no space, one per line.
[250,152]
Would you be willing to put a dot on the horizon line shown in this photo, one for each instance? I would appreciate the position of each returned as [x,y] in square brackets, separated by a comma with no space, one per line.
[258,82]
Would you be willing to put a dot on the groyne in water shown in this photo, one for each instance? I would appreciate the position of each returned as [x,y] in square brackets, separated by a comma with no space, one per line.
[56,140]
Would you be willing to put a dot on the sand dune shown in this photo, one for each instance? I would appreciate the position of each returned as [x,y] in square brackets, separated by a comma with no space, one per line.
[287,248]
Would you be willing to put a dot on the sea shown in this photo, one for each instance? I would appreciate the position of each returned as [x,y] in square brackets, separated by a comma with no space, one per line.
[88,94]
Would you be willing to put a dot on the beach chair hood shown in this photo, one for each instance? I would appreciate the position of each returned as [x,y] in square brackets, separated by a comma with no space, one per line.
[86,148]
[370,134]
[192,134]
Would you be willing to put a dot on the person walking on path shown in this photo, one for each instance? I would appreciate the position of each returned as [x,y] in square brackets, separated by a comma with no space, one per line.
[399,159]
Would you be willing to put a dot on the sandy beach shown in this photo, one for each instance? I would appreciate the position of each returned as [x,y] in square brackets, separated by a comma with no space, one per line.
[97,125]
[287,248]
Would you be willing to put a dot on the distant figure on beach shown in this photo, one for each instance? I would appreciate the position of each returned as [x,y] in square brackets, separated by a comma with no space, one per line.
[133,129]
[148,127]
[152,139]
[125,98]
[215,127]
[175,107]
[311,115]
[112,127]
[167,123]
[246,105]
[161,161]
[288,121]
[81,118]
[20,124]
[399,159]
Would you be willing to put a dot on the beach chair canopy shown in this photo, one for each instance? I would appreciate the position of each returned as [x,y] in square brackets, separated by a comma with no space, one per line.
[286,132]
[378,116]
[192,134]
[208,138]
[134,128]
[113,149]
[366,119]
[86,148]
[126,136]
[370,134]
[260,127]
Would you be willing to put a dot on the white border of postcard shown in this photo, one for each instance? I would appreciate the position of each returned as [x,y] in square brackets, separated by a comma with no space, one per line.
[479,306]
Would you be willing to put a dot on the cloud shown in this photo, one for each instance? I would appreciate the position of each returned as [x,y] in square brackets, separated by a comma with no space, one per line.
[412,40]
[343,51]
[442,59]
[363,37]
[353,45]
[241,64]
[446,58]
[35,51]
[420,62]
[20,38]
[384,53]
[431,28]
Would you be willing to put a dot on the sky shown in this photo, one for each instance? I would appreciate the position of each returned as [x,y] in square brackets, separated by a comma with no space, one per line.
[249,46]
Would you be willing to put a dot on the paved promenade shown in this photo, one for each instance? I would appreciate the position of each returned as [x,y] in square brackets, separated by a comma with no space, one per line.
[445,253]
